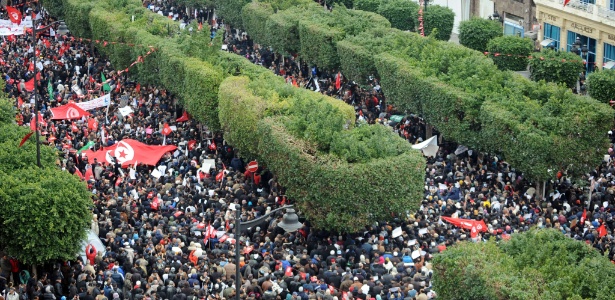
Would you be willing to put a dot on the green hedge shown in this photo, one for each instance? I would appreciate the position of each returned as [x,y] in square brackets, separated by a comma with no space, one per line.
[254,16]
[535,126]
[556,66]
[440,18]
[368,5]
[319,35]
[282,28]
[403,14]
[291,130]
[230,11]
[601,85]
[561,268]
[510,52]
[476,33]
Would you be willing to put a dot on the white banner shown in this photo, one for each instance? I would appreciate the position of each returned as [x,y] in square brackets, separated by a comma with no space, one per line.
[96,103]
[11,29]
[126,110]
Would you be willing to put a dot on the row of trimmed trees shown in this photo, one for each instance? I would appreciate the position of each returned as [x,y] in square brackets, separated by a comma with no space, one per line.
[516,53]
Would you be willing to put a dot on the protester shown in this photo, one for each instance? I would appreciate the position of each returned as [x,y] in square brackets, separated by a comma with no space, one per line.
[168,228]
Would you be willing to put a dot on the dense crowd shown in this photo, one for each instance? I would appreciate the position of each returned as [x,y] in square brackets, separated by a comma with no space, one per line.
[158,250]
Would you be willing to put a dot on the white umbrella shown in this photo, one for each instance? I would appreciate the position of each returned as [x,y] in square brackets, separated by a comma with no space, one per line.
[460,149]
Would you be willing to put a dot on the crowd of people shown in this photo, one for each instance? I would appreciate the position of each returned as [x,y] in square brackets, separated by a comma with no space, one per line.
[155,228]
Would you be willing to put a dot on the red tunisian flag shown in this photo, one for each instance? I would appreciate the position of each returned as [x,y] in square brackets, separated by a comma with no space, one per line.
[583,217]
[92,124]
[129,152]
[69,111]
[14,14]
[185,117]
[166,130]
[566,2]
[473,225]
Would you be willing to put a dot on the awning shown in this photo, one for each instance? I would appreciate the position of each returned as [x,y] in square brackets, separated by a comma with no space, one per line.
[609,65]
[546,42]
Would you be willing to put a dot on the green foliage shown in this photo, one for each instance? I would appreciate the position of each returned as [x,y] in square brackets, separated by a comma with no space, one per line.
[561,268]
[510,52]
[440,18]
[13,158]
[326,184]
[556,66]
[534,126]
[403,14]
[7,111]
[45,214]
[368,5]
[290,129]
[254,16]
[366,143]
[476,33]
[319,35]
[282,28]
[230,11]
[601,85]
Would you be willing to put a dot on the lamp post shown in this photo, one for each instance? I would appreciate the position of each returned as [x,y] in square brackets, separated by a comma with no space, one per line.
[290,223]
[61,30]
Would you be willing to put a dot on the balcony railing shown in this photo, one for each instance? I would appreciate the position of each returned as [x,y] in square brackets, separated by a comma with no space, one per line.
[606,13]
[586,10]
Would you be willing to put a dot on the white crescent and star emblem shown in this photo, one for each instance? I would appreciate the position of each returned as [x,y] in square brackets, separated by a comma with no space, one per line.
[14,15]
[72,113]
[124,152]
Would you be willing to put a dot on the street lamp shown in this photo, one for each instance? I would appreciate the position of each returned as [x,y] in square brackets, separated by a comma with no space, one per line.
[290,223]
[62,30]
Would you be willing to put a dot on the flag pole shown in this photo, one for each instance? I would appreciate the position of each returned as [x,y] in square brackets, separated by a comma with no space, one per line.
[36,111]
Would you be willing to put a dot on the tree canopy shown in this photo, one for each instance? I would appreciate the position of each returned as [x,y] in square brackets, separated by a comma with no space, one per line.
[560,268]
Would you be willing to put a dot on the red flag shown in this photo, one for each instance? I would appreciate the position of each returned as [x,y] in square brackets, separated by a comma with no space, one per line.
[47,43]
[602,230]
[185,117]
[119,181]
[69,111]
[25,138]
[473,225]
[191,145]
[128,152]
[212,146]
[566,2]
[92,124]
[78,173]
[166,130]
[192,258]
[89,174]
[92,79]
[19,102]
[33,124]
[29,85]
[338,81]
[14,14]
[31,67]
[583,217]
[11,38]
[138,88]
[118,88]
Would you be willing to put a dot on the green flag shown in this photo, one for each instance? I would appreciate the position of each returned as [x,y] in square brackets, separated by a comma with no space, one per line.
[86,147]
[50,89]
[106,86]
[396,118]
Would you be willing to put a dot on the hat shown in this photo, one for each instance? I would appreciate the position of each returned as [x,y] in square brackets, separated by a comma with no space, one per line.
[356,278]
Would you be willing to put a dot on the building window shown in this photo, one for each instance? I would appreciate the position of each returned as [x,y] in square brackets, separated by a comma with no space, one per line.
[552,32]
[609,53]
[612,5]
[589,1]
[590,57]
